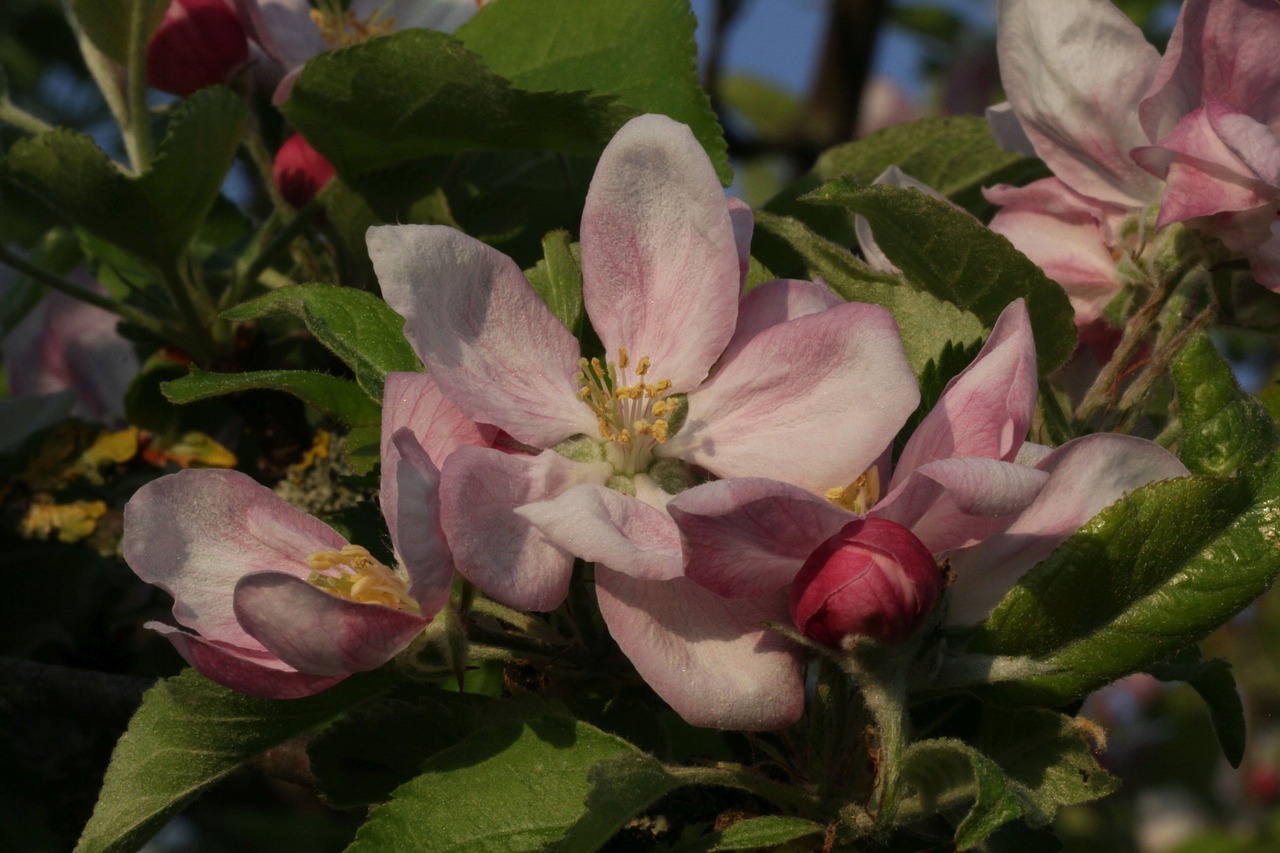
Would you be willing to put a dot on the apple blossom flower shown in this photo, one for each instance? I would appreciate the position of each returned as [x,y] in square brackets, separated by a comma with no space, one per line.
[274,602]
[966,485]
[785,384]
[1125,131]
[199,43]
[293,31]
[874,579]
[300,171]
[66,344]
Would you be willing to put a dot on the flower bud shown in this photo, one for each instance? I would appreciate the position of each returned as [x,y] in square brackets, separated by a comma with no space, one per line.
[199,43]
[873,579]
[300,171]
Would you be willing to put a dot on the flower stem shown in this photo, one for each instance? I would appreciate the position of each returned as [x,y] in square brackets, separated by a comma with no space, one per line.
[137,131]
[15,116]
[729,775]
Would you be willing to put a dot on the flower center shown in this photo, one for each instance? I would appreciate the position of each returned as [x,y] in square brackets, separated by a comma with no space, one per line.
[860,495]
[341,28]
[632,412]
[356,576]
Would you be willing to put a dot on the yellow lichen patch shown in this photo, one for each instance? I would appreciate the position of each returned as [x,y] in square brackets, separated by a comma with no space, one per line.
[71,521]
[341,28]
[109,448]
[319,450]
[860,495]
[192,450]
[355,575]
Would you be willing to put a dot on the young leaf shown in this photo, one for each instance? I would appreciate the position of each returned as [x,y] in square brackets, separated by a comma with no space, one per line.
[417,92]
[188,734]
[1159,570]
[758,832]
[928,324]
[341,399]
[1223,427]
[1212,679]
[557,278]
[958,259]
[513,786]
[360,448]
[156,215]
[356,326]
[106,22]
[944,772]
[643,54]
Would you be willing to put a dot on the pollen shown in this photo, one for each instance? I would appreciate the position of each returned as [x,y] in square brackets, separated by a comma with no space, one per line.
[353,573]
[341,28]
[630,411]
[860,495]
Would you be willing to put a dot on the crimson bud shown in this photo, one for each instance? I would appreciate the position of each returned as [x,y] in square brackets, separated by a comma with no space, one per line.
[300,171]
[872,579]
[199,43]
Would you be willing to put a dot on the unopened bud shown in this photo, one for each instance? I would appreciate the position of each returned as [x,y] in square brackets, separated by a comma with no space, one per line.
[300,171]
[872,579]
[199,43]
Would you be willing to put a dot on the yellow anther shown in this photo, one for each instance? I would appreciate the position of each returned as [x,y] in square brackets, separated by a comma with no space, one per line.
[641,427]
[860,495]
[353,574]
[597,368]
[624,360]
[624,437]
[662,387]
[606,429]
[584,393]
[642,367]
[659,431]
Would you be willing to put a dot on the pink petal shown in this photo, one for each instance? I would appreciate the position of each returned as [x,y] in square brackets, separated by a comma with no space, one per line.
[443,15]
[194,534]
[812,401]
[744,223]
[775,302]
[494,547]
[413,400]
[1264,260]
[496,351]
[1223,50]
[284,29]
[954,503]
[659,259]
[410,497]
[1085,476]
[1068,236]
[318,633]
[596,523]
[747,538]
[1075,73]
[984,411]
[1008,131]
[241,670]
[707,657]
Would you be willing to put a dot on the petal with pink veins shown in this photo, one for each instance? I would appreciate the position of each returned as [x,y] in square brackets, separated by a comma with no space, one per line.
[499,551]
[775,302]
[709,658]
[747,538]
[986,409]
[410,497]
[1075,73]
[660,263]
[812,401]
[1085,476]
[494,348]
[744,223]
[256,674]
[319,633]
[195,533]
[601,525]
[414,401]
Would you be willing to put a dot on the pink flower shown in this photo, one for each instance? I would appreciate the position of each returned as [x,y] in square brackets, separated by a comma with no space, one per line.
[274,602]
[65,344]
[293,31]
[872,579]
[786,384]
[966,486]
[1195,132]
[300,171]
[199,43]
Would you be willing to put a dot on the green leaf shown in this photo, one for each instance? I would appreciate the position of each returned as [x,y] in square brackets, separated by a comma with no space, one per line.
[928,324]
[1211,679]
[418,92]
[953,359]
[188,734]
[956,258]
[621,788]
[758,832]
[1159,570]
[356,326]
[643,54]
[558,279]
[943,772]
[771,110]
[156,215]
[1223,427]
[361,448]
[339,398]
[514,786]
[106,22]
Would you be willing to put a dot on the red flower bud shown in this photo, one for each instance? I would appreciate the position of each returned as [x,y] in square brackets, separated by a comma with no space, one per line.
[199,43]
[873,579]
[299,171]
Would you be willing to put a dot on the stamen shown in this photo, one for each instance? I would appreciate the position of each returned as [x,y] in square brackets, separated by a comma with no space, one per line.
[352,573]
[860,495]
